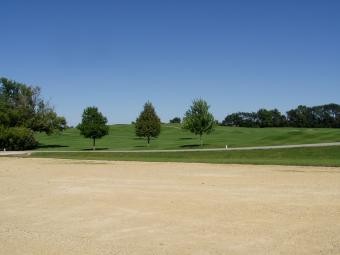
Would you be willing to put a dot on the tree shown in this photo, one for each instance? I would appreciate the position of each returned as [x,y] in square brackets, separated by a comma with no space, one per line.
[233,120]
[264,118]
[148,123]
[241,119]
[198,119]
[278,119]
[17,138]
[175,120]
[23,112]
[93,125]
[270,118]
[302,116]
[23,106]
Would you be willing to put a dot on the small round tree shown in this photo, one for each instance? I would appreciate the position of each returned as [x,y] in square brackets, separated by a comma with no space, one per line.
[198,119]
[148,123]
[93,125]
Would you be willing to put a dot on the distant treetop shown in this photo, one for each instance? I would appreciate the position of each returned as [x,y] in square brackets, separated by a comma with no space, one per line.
[175,120]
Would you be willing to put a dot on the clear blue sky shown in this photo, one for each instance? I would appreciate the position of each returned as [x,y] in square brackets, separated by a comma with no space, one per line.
[238,55]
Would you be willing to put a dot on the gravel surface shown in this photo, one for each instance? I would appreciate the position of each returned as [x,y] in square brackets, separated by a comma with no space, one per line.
[50,206]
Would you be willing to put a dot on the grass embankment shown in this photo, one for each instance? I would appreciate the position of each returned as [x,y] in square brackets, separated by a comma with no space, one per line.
[325,156]
[122,137]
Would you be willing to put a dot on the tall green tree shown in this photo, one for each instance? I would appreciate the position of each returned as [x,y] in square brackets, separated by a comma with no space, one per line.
[93,125]
[148,124]
[198,119]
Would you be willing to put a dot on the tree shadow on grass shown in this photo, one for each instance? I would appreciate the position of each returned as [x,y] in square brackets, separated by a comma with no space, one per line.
[140,146]
[186,138]
[97,149]
[47,146]
[191,146]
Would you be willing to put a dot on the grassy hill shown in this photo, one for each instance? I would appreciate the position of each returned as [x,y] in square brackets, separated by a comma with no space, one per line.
[122,137]
[326,156]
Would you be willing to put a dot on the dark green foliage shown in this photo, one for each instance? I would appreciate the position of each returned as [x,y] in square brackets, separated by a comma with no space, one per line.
[148,123]
[22,112]
[261,118]
[46,120]
[22,106]
[17,138]
[270,118]
[300,117]
[198,119]
[324,116]
[175,120]
[241,119]
[278,119]
[93,125]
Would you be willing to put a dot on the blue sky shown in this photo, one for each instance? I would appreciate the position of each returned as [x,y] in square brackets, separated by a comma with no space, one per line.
[238,55]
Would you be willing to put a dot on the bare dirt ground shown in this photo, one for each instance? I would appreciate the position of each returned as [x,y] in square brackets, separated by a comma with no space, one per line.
[50,206]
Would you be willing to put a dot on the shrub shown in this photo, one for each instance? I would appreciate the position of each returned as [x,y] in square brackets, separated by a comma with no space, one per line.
[17,138]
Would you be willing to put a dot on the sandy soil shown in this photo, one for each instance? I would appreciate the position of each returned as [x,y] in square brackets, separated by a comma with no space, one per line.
[50,206]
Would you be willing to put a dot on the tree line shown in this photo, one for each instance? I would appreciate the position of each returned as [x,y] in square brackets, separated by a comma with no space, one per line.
[23,112]
[323,116]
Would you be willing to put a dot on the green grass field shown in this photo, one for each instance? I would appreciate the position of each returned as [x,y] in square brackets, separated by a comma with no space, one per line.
[122,137]
[326,156]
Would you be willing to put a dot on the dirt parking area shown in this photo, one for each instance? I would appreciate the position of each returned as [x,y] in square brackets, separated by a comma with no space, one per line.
[50,206]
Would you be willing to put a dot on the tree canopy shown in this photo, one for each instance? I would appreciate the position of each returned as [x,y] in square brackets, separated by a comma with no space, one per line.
[198,119]
[23,106]
[148,124]
[93,125]
[22,112]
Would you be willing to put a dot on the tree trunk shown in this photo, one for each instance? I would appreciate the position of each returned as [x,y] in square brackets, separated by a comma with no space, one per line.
[201,141]
[94,144]
[148,140]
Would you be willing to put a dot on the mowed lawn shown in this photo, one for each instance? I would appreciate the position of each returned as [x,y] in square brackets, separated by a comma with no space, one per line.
[325,156]
[122,137]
